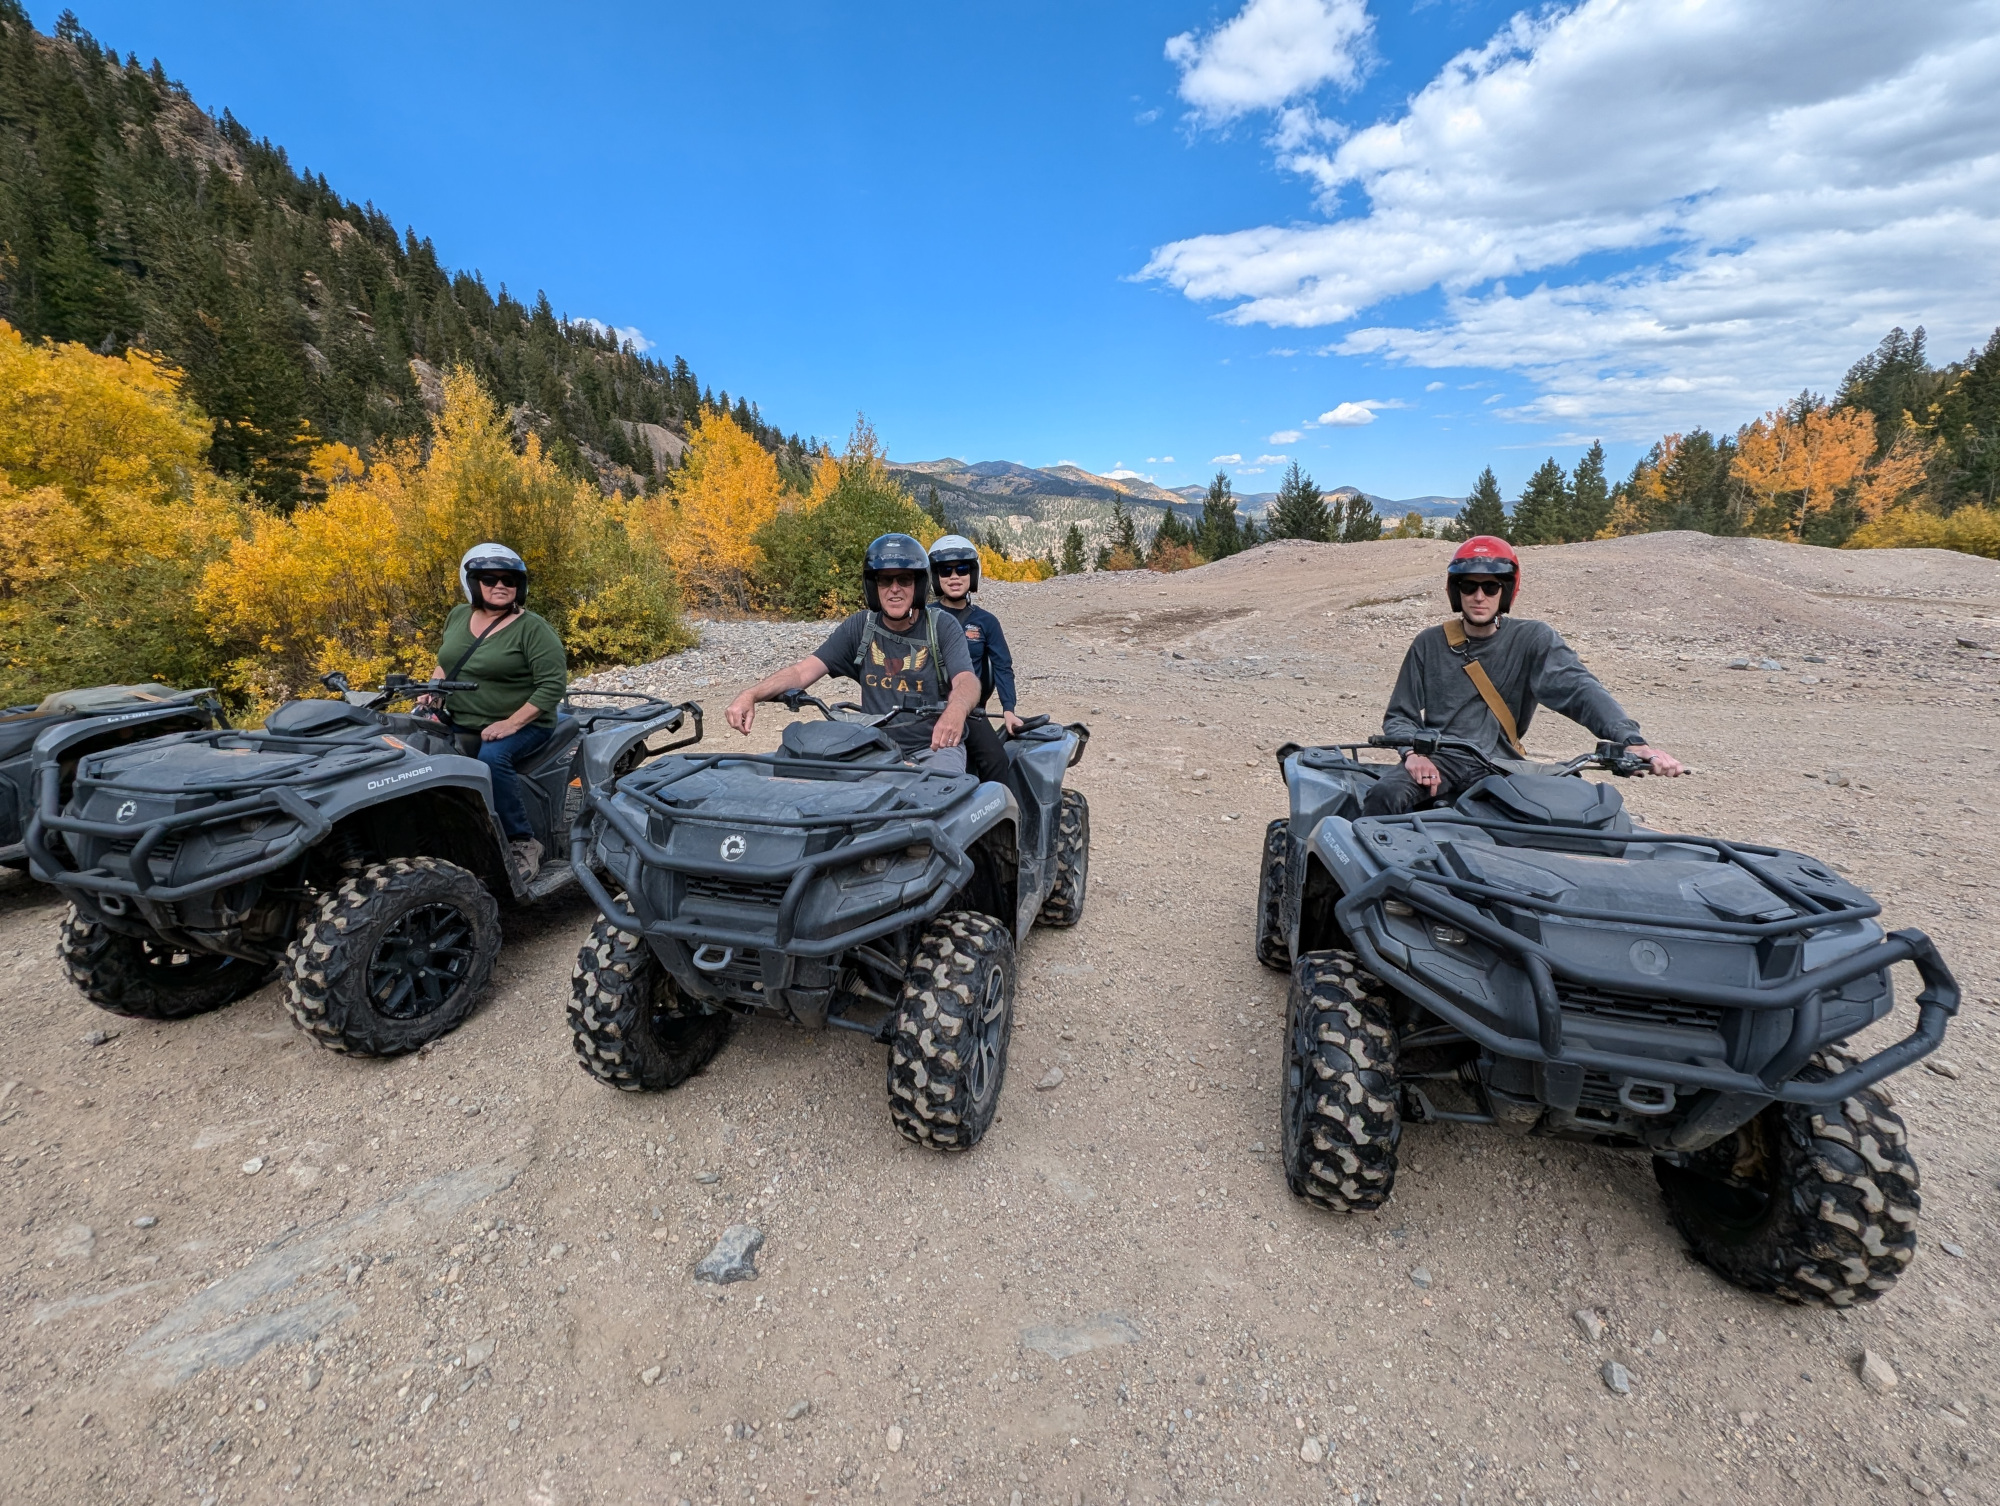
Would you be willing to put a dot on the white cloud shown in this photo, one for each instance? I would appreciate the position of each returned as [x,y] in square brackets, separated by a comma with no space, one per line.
[1250,470]
[1285,436]
[1225,460]
[1269,53]
[1351,415]
[1433,386]
[1273,459]
[1122,474]
[628,334]
[1159,460]
[1779,181]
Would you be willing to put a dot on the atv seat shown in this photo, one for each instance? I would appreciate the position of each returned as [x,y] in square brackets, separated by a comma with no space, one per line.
[318,718]
[838,742]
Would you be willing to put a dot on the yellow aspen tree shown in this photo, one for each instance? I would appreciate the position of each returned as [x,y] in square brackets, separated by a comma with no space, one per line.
[727,488]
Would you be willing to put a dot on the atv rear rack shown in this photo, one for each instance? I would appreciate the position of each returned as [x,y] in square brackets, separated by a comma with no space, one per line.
[906,824]
[1434,895]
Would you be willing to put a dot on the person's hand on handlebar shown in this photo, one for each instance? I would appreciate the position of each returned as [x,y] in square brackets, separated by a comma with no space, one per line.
[1014,723]
[742,712]
[1424,772]
[1664,764]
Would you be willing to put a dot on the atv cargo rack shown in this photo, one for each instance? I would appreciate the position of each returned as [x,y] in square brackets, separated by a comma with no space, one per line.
[910,821]
[1456,898]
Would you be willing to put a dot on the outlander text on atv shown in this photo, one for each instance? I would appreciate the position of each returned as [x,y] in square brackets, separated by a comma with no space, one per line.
[1528,958]
[833,885]
[356,847]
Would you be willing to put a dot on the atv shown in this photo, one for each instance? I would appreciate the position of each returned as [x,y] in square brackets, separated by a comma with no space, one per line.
[1528,958]
[71,723]
[833,885]
[355,847]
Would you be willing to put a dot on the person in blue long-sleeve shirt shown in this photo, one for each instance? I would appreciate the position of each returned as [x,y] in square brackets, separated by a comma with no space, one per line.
[955,573]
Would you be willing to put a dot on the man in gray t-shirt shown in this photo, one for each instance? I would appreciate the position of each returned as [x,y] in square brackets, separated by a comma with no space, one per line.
[902,654]
[1456,675]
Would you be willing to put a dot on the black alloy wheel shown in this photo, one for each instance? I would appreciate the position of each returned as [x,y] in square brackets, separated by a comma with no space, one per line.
[419,961]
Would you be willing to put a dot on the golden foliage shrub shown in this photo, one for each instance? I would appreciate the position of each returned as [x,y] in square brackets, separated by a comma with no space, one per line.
[1171,557]
[994,565]
[362,581]
[1796,467]
[108,516]
[1970,530]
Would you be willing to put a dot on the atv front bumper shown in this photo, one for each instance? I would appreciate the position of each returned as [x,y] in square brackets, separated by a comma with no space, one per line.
[1551,976]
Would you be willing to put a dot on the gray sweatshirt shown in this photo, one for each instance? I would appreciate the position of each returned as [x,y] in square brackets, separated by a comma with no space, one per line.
[1529,665]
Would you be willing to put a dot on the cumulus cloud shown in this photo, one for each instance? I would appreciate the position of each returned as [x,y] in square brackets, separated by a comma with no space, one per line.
[1773,182]
[1225,460]
[1159,460]
[1433,386]
[1351,415]
[1285,436]
[1269,53]
[628,334]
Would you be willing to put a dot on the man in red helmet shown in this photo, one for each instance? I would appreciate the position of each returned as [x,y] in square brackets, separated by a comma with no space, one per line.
[1478,678]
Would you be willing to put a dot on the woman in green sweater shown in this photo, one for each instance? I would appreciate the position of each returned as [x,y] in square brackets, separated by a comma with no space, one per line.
[521,671]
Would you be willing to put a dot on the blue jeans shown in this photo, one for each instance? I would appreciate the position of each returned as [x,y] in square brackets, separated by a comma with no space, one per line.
[500,756]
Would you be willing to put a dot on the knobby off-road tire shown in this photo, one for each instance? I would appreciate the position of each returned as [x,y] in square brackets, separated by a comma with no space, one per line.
[1271,881]
[631,1026]
[393,958]
[948,1041]
[1064,906]
[1341,1117]
[1817,1206]
[149,980]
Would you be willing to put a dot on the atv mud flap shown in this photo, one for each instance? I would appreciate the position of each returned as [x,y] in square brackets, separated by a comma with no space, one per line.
[1357,913]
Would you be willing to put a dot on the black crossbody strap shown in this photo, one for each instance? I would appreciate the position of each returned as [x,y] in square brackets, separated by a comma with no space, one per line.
[477,639]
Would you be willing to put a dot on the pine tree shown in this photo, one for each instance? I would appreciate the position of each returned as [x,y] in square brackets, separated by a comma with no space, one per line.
[1968,420]
[1217,535]
[933,508]
[1247,536]
[1589,499]
[1894,382]
[1542,514]
[1072,552]
[1483,513]
[1361,524]
[1300,511]
[1124,535]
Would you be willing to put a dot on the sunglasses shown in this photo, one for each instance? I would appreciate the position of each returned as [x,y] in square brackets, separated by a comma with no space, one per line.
[1482,587]
[897,581]
[495,578]
[961,568]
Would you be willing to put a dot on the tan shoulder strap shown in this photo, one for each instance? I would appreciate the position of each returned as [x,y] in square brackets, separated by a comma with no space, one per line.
[1454,634]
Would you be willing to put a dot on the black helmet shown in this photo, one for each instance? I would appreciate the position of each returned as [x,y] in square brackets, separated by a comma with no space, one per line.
[895,551]
[951,549]
[493,559]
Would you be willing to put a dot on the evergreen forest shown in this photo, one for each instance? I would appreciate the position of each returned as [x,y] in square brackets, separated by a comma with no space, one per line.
[131,218]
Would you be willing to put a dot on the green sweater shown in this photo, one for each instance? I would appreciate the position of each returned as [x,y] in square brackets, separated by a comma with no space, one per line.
[520,662]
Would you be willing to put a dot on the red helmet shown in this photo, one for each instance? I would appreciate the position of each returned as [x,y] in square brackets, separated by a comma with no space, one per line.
[1485,555]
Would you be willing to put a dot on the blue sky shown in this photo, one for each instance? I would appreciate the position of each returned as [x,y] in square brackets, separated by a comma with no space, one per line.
[1046,232]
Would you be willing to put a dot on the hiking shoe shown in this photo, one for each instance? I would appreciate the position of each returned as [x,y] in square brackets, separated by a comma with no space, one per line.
[526,853]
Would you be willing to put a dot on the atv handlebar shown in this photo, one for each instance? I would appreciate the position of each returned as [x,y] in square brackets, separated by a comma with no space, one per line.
[1609,756]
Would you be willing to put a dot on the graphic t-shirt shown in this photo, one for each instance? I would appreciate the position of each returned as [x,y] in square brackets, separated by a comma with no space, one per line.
[898,669]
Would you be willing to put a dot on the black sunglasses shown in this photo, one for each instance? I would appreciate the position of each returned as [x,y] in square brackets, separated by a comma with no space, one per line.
[1482,587]
[895,578]
[959,568]
[496,578]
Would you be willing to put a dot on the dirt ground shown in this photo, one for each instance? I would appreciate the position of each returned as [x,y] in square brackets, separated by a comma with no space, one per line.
[239,1269]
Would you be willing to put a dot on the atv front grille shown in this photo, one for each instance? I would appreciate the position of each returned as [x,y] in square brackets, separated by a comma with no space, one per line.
[701,886]
[1599,1096]
[1641,1011]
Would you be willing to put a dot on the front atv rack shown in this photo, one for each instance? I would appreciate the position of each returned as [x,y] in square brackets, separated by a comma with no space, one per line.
[911,820]
[1454,898]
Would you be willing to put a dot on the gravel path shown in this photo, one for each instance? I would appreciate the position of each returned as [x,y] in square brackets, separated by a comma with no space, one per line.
[237,1268]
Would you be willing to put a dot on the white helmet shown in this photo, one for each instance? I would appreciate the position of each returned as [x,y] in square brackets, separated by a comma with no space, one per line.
[497,558]
[953,548]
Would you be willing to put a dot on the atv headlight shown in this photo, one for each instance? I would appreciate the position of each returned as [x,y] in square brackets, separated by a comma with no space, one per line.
[1448,935]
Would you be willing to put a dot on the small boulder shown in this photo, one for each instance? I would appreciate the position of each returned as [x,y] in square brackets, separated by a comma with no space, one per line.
[734,1256]
[1877,1374]
[1617,1379]
[1588,1320]
[1310,1450]
[1050,1079]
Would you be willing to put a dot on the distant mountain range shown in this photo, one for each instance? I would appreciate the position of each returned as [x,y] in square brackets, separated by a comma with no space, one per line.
[1031,508]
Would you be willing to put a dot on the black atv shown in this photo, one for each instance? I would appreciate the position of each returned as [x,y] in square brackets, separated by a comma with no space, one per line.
[65,726]
[1528,958]
[833,885]
[356,847]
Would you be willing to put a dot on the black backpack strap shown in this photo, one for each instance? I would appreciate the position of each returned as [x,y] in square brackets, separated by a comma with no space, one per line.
[477,639]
